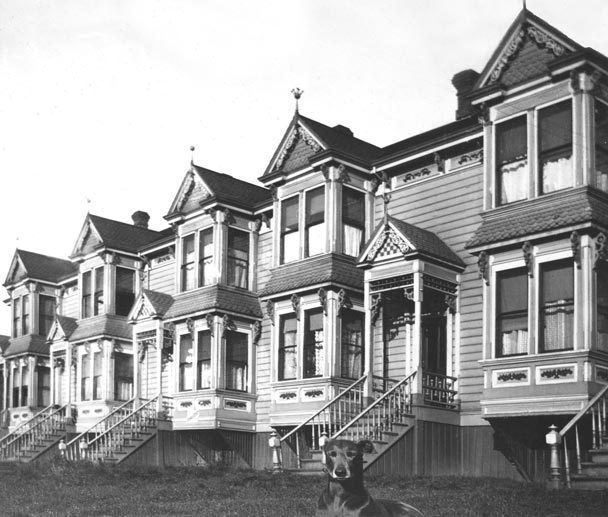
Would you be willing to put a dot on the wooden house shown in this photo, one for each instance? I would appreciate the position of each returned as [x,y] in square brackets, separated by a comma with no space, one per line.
[445,295]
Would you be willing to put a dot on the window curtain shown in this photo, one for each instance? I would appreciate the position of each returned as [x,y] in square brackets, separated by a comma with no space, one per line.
[352,240]
[314,350]
[557,306]
[352,345]
[236,361]
[353,220]
[288,358]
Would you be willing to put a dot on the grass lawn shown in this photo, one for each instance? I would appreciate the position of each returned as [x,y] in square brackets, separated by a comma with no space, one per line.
[61,489]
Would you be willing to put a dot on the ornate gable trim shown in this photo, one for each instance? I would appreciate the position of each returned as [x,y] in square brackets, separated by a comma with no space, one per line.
[190,181]
[142,309]
[17,267]
[387,243]
[87,232]
[56,333]
[297,133]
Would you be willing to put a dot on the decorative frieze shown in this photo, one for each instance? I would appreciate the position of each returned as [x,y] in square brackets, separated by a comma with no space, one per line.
[438,284]
[544,40]
[511,377]
[470,158]
[235,404]
[553,374]
[508,53]
[417,175]
[314,393]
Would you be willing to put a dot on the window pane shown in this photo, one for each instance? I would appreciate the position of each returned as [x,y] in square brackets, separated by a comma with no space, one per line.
[602,307]
[555,146]
[353,206]
[289,214]
[97,375]
[238,258]
[85,378]
[290,235]
[512,160]
[314,351]
[46,316]
[86,294]
[185,363]
[17,317]
[123,376]
[288,359]
[557,306]
[236,361]
[352,344]
[290,244]
[44,386]
[25,316]
[207,274]
[188,263]
[315,239]
[98,298]
[601,145]
[315,206]
[25,385]
[512,312]
[204,360]
[125,290]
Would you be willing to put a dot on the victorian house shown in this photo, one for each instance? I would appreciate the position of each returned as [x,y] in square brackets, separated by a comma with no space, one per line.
[445,296]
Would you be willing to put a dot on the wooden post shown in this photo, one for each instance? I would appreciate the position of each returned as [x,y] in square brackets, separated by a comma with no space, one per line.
[368,387]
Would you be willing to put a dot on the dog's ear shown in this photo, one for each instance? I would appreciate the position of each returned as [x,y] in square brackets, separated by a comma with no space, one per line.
[365,446]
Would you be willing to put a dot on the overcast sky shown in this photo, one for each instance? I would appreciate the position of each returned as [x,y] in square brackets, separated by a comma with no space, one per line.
[101,100]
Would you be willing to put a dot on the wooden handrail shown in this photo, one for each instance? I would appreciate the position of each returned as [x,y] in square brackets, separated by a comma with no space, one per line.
[47,417]
[23,424]
[331,402]
[574,420]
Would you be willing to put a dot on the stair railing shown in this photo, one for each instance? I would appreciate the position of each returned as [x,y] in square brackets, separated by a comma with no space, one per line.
[130,427]
[391,408]
[100,427]
[21,428]
[329,419]
[596,409]
[439,390]
[52,424]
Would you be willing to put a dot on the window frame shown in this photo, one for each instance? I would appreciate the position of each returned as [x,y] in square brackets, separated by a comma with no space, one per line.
[46,320]
[183,265]
[498,180]
[231,257]
[281,347]
[310,343]
[200,257]
[308,223]
[124,296]
[88,305]
[344,344]
[283,232]
[246,377]
[497,314]
[351,222]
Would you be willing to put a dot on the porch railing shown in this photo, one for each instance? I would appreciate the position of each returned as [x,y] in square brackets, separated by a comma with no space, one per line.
[329,419]
[24,426]
[47,426]
[439,390]
[382,384]
[115,438]
[392,408]
[99,428]
[596,411]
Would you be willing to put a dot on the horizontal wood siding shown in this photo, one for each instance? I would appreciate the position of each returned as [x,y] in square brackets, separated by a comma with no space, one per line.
[162,277]
[71,304]
[450,206]
[149,374]
[264,258]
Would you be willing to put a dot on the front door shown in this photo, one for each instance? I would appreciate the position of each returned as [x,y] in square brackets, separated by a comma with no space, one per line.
[434,343]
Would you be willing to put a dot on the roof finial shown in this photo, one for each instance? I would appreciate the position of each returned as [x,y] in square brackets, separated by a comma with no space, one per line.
[297,93]
[524,5]
[88,205]
[192,148]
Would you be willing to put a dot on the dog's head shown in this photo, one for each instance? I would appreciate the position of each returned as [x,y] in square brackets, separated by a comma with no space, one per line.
[344,458]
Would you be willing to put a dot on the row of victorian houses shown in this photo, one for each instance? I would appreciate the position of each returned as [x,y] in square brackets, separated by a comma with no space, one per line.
[446,295]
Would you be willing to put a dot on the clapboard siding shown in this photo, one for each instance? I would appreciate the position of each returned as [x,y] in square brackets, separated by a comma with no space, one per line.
[264,258]
[70,304]
[162,277]
[149,374]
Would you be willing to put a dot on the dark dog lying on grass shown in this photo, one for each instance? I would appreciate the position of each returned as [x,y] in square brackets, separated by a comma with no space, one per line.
[345,493]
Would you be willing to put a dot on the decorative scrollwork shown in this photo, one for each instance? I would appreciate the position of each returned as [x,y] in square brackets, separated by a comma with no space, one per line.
[266,220]
[526,248]
[375,308]
[482,265]
[543,39]
[344,301]
[408,293]
[295,303]
[323,299]
[412,176]
[506,56]
[472,157]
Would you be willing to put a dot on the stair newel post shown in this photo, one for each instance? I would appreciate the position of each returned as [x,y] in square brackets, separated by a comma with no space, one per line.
[566,462]
[579,467]
[553,439]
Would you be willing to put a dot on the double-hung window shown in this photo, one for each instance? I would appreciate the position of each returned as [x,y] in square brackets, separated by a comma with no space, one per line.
[85,377]
[238,258]
[555,147]
[512,312]
[315,222]
[290,234]
[123,376]
[98,295]
[353,220]
[187,263]
[44,386]
[92,292]
[288,348]
[237,361]
[512,160]
[97,376]
[125,290]
[556,318]
[601,145]
[351,339]
[86,294]
[206,269]
[203,360]
[186,358]
[46,314]
[314,344]
[21,316]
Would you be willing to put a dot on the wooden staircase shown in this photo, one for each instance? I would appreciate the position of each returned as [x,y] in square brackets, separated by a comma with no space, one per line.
[386,420]
[38,435]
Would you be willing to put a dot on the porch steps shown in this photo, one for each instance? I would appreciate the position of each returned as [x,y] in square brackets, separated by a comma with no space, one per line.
[594,475]
[129,446]
[32,452]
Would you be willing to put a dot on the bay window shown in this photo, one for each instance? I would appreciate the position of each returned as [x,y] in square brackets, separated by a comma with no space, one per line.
[236,361]
[290,234]
[86,294]
[46,314]
[351,344]
[187,263]
[206,269]
[601,145]
[203,360]
[123,376]
[97,373]
[602,306]
[314,344]
[288,348]
[512,160]
[85,377]
[238,258]
[555,147]
[25,315]
[556,318]
[512,312]
[315,222]
[186,380]
[98,295]
[353,220]
[125,290]
[44,386]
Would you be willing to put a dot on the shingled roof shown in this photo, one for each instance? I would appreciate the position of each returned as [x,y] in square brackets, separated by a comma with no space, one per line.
[4,342]
[105,325]
[30,344]
[44,267]
[160,302]
[332,268]
[563,211]
[219,297]
[68,325]
[123,236]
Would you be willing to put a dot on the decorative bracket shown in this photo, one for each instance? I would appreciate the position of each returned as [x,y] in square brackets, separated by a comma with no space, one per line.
[575,242]
[212,212]
[270,311]
[482,264]
[227,324]
[344,301]
[375,308]
[408,292]
[59,362]
[257,331]
[601,250]
[295,303]
[266,220]
[450,303]
[228,217]
[439,162]
[209,318]
[274,193]
[526,248]
[190,326]
[323,299]
[343,176]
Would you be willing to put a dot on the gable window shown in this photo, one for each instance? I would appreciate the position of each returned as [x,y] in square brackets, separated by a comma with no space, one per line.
[46,314]
[238,258]
[512,312]
[125,290]
[203,360]
[556,318]
[602,306]
[236,361]
[85,377]
[601,145]
[186,358]
[351,344]
[205,258]
[353,220]
[98,296]
[315,221]
[314,341]
[288,348]
[512,160]
[123,376]
[187,267]
[290,234]
[555,147]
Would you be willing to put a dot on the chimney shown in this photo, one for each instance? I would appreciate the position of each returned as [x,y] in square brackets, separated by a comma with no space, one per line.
[344,130]
[464,82]
[140,219]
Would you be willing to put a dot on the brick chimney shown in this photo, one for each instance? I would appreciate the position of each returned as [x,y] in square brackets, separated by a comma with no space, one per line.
[464,82]
[140,219]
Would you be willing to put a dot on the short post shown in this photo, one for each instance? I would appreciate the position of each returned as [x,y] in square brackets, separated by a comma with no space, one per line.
[275,444]
[322,441]
[553,439]
[62,447]
[83,447]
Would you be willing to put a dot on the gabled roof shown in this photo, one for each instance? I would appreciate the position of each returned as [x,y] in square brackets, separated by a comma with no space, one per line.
[306,137]
[150,304]
[524,52]
[562,211]
[4,342]
[100,232]
[201,186]
[27,264]
[63,325]
[394,237]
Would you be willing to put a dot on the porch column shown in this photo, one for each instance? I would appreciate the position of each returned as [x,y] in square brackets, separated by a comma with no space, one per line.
[135,369]
[332,340]
[32,384]
[52,371]
[107,350]
[368,389]
[417,296]
[159,364]
[220,344]
[68,371]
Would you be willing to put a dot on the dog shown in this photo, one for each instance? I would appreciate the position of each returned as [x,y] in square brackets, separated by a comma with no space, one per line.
[345,494]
